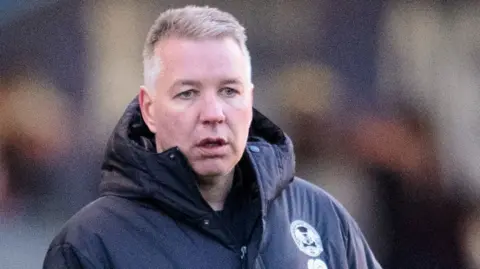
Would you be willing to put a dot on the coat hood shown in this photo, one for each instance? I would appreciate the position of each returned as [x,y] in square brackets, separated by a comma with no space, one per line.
[134,170]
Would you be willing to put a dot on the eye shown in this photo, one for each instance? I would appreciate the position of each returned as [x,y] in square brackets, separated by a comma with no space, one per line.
[187,94]
[229,92]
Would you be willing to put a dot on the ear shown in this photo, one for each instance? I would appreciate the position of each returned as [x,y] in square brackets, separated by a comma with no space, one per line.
[146,99]
[252,93]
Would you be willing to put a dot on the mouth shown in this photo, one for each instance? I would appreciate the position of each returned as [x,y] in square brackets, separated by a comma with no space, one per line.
[212,142]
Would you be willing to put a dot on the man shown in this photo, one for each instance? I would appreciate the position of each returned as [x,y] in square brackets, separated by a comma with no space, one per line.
[194,177]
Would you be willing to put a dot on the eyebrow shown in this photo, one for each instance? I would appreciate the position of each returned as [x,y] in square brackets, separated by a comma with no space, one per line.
[198,84]
[186,82]
[230,81]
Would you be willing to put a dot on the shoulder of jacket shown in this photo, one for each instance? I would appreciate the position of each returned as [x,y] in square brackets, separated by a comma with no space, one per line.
[66,255]
[85,224]
[311,190]
[323,200]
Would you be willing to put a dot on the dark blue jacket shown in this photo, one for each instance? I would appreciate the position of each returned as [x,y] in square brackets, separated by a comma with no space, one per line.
[151,213]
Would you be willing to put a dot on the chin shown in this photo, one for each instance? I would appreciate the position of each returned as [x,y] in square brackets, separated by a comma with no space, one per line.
[212,169]
[210,174]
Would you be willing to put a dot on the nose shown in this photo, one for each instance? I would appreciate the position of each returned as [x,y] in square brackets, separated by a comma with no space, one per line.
[212,111]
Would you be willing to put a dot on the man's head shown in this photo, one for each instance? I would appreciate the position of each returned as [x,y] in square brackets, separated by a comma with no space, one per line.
[198,92]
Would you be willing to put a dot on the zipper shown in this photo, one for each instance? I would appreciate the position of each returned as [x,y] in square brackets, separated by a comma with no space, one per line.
[243,256]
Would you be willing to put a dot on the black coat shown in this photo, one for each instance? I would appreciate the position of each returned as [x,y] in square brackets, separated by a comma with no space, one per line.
[151,214]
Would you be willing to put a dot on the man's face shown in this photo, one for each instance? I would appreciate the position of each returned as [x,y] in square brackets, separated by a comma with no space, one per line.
[202,102]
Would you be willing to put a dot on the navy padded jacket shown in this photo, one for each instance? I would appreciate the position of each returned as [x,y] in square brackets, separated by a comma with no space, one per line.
[151,214]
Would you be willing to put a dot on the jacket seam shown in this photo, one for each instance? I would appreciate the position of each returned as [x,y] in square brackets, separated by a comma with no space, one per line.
[76,251]
[260,262]
[342,225]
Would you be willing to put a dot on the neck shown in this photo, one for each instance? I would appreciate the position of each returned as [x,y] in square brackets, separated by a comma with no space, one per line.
[215,189]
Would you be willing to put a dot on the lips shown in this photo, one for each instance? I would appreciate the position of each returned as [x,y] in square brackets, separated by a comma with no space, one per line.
[212,142]
[212,148]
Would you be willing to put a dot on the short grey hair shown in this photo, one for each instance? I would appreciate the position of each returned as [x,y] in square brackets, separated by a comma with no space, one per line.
[192,22]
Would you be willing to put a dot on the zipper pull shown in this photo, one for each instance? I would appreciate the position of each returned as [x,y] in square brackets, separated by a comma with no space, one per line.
[243,251]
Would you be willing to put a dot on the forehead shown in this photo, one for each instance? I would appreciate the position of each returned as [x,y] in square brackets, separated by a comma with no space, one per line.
[201,59]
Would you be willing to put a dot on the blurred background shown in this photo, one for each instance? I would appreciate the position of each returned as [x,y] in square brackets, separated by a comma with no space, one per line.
[380,98]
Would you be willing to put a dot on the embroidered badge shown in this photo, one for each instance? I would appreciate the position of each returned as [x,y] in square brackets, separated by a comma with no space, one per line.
[306,238]
[316,264]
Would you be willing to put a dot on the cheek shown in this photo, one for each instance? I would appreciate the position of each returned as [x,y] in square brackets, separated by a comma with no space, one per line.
[240,121]
[243,102]
[170,127]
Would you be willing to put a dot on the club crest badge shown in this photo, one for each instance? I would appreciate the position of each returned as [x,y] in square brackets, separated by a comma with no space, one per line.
[306,238]
[316,264]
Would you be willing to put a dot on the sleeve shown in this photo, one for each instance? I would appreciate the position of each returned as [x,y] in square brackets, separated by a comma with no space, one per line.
[65,256]
[359,254]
